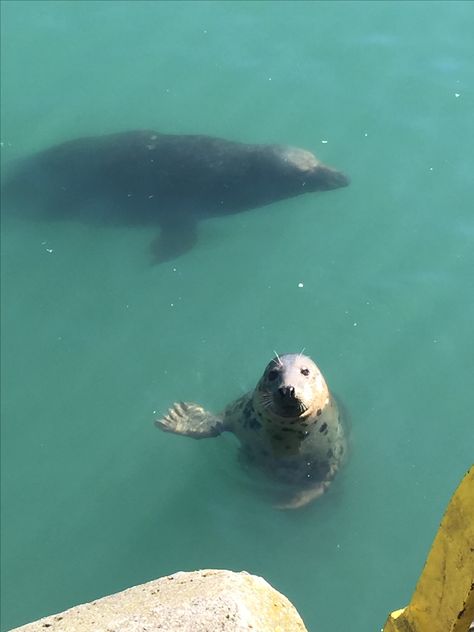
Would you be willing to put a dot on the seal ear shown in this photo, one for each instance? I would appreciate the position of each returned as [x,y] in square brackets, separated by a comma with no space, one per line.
[178,235]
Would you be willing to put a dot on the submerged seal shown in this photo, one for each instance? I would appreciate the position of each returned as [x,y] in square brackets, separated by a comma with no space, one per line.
[289,427]
[171,180]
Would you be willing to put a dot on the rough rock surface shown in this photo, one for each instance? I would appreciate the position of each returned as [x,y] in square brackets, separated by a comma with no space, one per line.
[199,601]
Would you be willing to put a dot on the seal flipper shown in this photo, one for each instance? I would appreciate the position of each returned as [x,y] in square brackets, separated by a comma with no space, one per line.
[191,420]
[304,497]
[178,235]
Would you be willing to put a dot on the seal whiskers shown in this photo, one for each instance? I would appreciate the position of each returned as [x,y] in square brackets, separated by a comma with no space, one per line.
[278,358]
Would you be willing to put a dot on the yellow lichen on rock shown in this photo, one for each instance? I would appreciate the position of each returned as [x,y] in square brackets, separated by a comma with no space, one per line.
[443,600]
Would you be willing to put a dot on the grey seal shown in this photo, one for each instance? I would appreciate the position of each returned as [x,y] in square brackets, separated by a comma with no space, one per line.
[289,427]
[174,181]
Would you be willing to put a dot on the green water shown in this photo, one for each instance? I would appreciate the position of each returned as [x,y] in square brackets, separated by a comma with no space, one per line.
[95,339]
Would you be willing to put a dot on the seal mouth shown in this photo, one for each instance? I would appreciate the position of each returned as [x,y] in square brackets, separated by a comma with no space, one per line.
[287,402]
[330,179]
[292,410]
[289,409]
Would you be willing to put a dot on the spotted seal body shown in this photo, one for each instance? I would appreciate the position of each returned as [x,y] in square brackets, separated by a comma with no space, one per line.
[174,181]
[289,427]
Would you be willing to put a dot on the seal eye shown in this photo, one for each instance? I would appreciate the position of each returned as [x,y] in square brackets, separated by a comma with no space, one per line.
[304,372]
[272,375]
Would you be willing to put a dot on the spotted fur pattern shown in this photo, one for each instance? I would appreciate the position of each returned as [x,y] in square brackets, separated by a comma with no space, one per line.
[289,427]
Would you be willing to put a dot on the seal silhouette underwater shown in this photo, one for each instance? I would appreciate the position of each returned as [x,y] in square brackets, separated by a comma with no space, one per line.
[289,427]
[142,177]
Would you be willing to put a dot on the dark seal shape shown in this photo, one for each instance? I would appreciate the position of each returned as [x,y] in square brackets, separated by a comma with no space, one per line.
[173,180]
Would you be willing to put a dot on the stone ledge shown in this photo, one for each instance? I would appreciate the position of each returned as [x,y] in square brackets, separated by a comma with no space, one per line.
[198,601]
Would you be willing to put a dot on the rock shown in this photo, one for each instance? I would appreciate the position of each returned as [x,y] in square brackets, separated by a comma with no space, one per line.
[199,601]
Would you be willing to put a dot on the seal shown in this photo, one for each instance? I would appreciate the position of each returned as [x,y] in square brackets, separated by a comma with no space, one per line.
[142,177]
[289,427]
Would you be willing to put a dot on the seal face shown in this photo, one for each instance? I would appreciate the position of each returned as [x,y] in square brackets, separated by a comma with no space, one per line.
[289,427]
[172,180]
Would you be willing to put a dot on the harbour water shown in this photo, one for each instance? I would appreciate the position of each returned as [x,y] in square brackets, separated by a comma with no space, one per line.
[374,281]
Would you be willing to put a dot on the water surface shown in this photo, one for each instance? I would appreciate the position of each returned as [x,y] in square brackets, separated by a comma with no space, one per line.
[95,339]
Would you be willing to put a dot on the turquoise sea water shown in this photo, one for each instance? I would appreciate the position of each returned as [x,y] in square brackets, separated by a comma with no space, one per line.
[95,339]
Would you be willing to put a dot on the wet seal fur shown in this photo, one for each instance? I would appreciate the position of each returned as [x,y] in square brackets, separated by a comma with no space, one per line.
[289,427]
[142,177]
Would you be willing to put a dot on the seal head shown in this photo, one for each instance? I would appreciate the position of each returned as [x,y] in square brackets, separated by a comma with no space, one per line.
[291,389]
[305,169]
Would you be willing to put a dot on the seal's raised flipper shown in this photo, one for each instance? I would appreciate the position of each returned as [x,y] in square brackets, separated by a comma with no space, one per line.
[178,235]
[191,420]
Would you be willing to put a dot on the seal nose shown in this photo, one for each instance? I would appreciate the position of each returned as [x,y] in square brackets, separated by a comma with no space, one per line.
[287,392]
